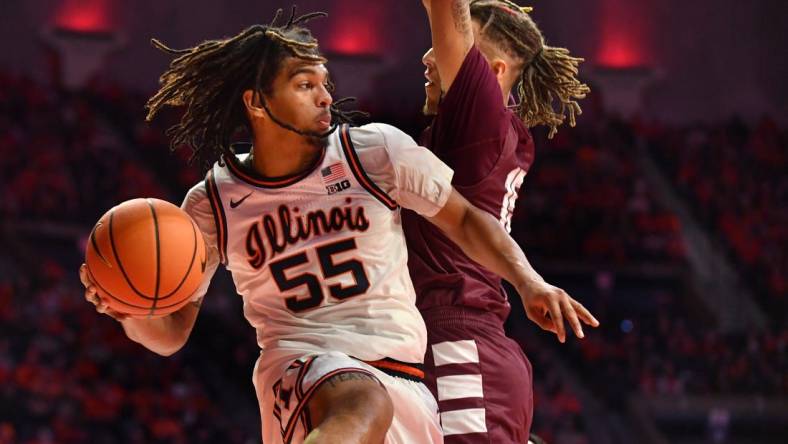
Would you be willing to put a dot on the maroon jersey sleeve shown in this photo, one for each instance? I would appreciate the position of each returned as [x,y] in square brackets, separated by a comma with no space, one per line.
[472,121]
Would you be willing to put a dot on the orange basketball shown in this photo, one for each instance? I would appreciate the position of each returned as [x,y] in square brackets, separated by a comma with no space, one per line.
[146,257]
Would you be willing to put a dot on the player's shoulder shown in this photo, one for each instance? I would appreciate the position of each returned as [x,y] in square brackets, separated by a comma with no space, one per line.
[205,193]
[375,135]
[197,204]
[475,78]
[196,196]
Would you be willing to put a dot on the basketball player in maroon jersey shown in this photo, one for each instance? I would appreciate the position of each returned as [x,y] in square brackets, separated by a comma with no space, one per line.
[481,51]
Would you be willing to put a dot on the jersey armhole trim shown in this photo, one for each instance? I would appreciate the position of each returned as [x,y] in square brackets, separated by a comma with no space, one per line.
[219,217]
[360,174]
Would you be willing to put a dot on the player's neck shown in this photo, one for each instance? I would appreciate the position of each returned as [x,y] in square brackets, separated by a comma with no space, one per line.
[506,91]
[283,153]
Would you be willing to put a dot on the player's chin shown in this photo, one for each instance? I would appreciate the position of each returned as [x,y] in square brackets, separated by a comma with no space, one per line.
[432,95]
[429,109]
[430,106]
[432,89]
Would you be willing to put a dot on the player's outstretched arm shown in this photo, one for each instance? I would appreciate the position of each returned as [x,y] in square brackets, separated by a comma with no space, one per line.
[484,240]
[165,335]
[417,180]
[452,36]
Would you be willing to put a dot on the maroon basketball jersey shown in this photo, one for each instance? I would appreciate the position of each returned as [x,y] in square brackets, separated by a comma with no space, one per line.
[490,150]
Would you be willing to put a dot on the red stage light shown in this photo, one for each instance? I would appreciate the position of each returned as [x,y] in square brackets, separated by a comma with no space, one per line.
[620,53]
[354,40]
[356,28]
[625,33]
[89,16]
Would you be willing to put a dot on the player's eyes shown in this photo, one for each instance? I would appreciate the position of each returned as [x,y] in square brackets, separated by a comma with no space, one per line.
[307,85]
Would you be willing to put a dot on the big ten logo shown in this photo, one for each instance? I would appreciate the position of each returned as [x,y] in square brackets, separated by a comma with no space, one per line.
[337,187]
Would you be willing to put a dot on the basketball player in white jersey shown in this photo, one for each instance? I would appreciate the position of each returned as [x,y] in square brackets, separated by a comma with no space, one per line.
[308,223]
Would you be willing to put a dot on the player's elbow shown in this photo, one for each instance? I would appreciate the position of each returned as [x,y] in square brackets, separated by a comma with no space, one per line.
[177,327]
[164,339]
[469,217]
[166,352]
[177,341]
[167,347]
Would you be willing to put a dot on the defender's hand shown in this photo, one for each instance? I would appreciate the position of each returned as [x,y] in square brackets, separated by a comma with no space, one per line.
[547,306]
[93,297]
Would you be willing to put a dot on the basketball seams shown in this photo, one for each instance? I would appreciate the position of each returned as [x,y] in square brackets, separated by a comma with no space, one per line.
[183,280]
[117,258]
[95,245]
[128,298]
[115,298]
[189,270]
[158,257]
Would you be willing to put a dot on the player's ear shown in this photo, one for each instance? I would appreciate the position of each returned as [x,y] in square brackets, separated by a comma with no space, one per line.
[500,68]
[253,106]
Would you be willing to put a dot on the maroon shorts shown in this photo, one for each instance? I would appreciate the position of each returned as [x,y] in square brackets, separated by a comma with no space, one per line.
[481,378]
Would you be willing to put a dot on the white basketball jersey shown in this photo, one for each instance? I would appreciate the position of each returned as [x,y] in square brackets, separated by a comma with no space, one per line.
[320,258]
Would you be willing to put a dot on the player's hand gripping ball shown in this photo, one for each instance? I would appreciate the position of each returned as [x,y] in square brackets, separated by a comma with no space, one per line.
[145,258]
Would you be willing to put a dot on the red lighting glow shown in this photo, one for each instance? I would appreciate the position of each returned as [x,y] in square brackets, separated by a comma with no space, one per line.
[355,40]
[356,28]
[619,53]
[85,16]
[624,34]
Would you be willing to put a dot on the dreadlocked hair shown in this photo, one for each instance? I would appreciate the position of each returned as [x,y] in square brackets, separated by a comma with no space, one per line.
[548,73]
[208,81]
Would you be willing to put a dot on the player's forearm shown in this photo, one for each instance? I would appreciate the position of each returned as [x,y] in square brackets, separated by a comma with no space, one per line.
[452,36]
[450,23]
[165,335]
[484,239]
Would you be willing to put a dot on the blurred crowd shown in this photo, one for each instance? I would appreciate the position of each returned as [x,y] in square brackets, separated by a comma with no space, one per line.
[585,200]
[735,177]
[59,158]
[660,350]
[70,375]
[65,157]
